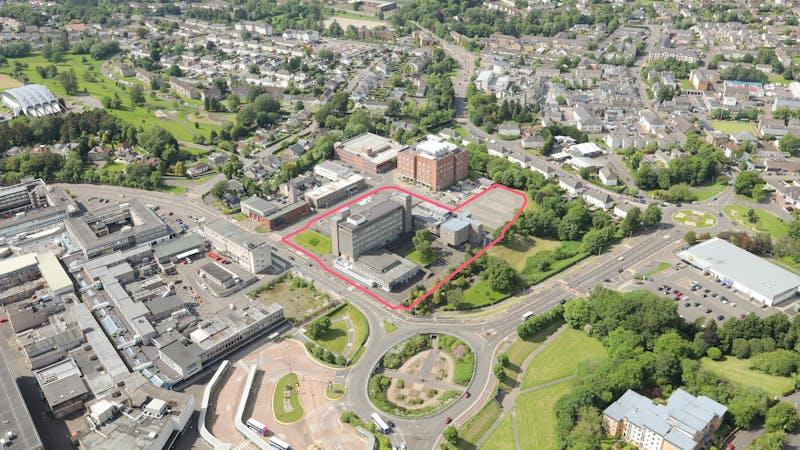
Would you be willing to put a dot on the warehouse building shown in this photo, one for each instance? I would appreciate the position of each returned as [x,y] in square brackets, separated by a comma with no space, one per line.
[743,271]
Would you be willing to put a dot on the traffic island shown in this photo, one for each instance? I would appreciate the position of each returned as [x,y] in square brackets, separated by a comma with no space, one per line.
[286,403]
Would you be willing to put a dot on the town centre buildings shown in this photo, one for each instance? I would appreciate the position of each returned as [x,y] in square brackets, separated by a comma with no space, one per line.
[743,271]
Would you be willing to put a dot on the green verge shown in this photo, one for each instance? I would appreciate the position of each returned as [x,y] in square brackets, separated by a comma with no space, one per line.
[288,381]
[478,425]
[481,294]
[767,222]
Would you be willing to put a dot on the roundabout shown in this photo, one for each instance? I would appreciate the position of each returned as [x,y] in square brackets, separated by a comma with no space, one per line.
[694,219]
[421,375]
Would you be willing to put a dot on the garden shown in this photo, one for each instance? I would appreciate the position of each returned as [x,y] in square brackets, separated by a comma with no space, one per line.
[333,342]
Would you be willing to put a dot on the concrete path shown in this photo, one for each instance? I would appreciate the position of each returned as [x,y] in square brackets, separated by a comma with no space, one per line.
[407,378]
[430,360]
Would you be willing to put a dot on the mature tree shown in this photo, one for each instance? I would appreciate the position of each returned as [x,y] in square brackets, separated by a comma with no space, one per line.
[651,216]
[422,244]
[318,327]
[747,407]
[769,441]
[746,182]
[632,222]
[219,189]
[451,435]
[790,144]
[690,237]
[69,81]
[500,276]
[782,417]
[137,95]
[156,140]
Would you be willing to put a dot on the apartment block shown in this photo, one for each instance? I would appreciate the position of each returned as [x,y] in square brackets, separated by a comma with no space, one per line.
[433,163]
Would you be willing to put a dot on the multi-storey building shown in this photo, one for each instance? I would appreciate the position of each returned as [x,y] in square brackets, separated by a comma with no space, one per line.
[685,422]
[32,206]
[247,249]
[376,225]
[433,163]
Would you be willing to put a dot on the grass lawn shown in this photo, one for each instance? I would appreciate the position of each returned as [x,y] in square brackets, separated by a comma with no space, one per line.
[288,382]
[335,339]
[314,241]
[480,294]
[662,266]
[561,357]
[533,273]
[503,436]
[738,371]
[767,222]
[686,85]
[733,126]
[706,192]
[416,257]
[691,218]
[262,229]
[516,250]
[389,326]
[461,131]
[774,78]
[536,420]
[239,217]
[478,425]
[171,113]
[335,391]
[174,190]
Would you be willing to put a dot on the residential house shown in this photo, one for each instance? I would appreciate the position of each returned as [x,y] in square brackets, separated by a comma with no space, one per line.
[607,177]
[598,199]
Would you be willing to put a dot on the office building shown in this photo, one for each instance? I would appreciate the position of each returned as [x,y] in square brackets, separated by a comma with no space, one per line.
[369,152]
[274,214]
[433,163]
[30,270]
[63,387]
[749,274]
[248,250]
[458,230]
[117,227]
[374,224]
[685,422]
[334,192]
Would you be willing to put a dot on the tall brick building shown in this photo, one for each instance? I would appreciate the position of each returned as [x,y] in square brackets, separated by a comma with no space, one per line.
[433,163]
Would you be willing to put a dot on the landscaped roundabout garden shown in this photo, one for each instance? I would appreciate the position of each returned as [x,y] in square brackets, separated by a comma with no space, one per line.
[422,375]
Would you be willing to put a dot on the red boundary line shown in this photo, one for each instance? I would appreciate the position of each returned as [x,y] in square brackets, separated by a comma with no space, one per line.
[288,240]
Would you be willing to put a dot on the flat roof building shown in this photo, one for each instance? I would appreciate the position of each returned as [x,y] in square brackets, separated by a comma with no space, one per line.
[369,152]
[248,250]
[24,268]
[32,206]
[433,163]
[274,215]
[14,414]
[743,271]
[331,193]
[117,227]
[374,224]
[63,387]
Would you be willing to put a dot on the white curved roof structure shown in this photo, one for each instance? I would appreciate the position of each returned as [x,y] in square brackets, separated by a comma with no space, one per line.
[32,100]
